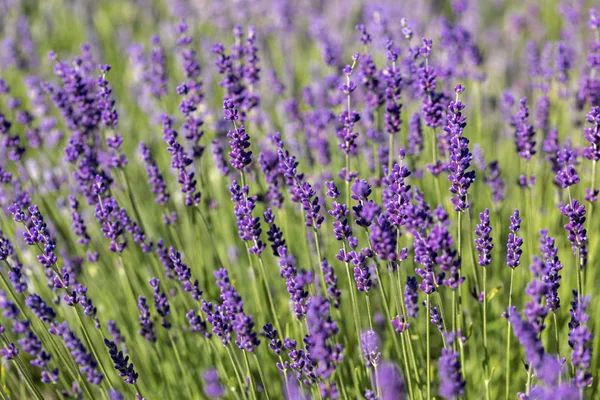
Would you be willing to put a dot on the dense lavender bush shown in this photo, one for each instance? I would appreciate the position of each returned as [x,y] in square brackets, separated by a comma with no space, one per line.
[399,201]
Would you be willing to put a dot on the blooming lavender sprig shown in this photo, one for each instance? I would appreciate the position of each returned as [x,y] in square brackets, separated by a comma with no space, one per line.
[415,135]
[551,269]
[157,74]
[513,246]
[577,233]
[121,363]
[37,234]
[15,272]
[155,177]
[41,310]
[191,90]
[411,297]
[319,342]
[161,303]
[452,383]
[393,91]
[239,140]
[248,226]
[566,175]
[371,347]
[87,363]
[331,282]
[115,332]
[460,156]
[432,107]
[524,132]
[180,161]
[493,179]
[535,310]
[348,118]
[580,339]
[243,324]
[528,337]
[213,387]
[483,242]
[390,382]
[592,135]
[147,329]
[297,281]
[79,227]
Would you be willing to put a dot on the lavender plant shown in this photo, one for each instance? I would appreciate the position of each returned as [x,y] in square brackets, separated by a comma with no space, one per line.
[363,226]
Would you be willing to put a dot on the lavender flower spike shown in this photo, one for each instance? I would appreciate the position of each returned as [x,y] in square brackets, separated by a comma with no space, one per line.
[460,156]
[513,247]
[483,242]
[452,384]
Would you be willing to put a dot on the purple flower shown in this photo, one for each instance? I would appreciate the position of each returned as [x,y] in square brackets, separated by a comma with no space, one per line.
[319,342]
[155,177]
[239,142]
[432,101]
[87,363]
[362,273]
[415,135]
[78,226]
[369,342]
[460,156]
[121,362]
[383,237]
[212,384]
[233,307]
[483,242]
[577,234]
[114,331]
[566,175]
[331,287]
[161,303]
[390,382]
[146,325]
[452,384]
[524,132]
[180,161]
[157,75]
[436,318]
[528,337]
[551,269]
[400,324]
[580,340]
[248,226]
[592,135]
[41,310]
[411,297]
[493,179]
[513,247]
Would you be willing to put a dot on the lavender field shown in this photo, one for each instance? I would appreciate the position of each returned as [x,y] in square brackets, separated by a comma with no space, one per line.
[361,199]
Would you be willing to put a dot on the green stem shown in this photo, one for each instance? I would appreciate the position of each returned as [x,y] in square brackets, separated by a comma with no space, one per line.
[459,305]
[271,303]
[249,375]
[508,336]
[262,376]
[436,178]
[355,310]
[237,373]
[320,256]
[485,342]
[180,364]
[88,339]
[369,310]
[428,357]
